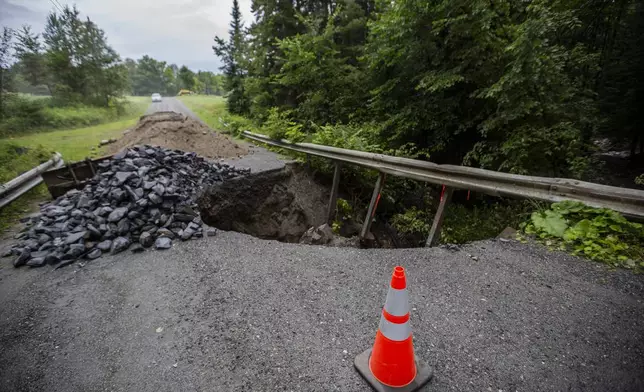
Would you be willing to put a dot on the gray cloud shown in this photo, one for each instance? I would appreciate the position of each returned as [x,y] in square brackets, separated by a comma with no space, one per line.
[175,31]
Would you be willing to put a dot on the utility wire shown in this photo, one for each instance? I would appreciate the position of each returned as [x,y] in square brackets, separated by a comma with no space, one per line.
[56,6]
[58,2]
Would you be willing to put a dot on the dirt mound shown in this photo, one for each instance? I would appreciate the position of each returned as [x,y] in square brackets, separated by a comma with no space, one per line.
[177,131]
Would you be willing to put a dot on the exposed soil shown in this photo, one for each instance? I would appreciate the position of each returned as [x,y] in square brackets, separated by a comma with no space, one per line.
[180,132]
[278,204]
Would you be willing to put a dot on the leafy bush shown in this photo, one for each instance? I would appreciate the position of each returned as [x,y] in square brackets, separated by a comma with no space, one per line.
[28,113]
[77,116]
[639,180]
[279,125]
[16,159]
[412,221]
[23,113]
[462,223]
[599,234]
[234,124]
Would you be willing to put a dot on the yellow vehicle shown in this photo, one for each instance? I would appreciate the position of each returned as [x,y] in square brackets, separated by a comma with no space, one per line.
[185,92]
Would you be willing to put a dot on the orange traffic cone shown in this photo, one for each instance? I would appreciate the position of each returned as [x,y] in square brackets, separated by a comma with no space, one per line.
[391,364]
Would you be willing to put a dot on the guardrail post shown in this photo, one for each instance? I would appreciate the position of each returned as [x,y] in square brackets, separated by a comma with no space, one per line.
[375,198]
[435,231]
[333,199]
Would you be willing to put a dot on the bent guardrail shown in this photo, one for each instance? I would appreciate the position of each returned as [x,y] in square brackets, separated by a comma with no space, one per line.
[15,188]
[629,202]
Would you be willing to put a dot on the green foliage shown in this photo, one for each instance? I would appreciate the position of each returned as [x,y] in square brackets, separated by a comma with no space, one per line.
[412,221]
[344,208]
[596,233]
[235,125]
[23,113]
[462,223]
[232,54]
[336,225]
[327,86]
[148,76]
[186,78]
[481,221]
[16,159]
[279,125]
[82,66]
[28,114]
[639,180]
[5,60]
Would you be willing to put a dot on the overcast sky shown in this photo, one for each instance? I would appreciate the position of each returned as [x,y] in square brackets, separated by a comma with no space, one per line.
[176,31]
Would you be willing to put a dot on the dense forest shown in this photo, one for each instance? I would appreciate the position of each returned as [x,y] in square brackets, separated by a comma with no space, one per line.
[526,87]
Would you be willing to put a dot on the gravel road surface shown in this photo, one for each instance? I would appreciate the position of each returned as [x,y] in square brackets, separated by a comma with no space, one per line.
[259,158]
[235,313]
[171,104]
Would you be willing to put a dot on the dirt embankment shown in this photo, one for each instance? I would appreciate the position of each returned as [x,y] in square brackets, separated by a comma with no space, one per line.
[177,131]
[280,204]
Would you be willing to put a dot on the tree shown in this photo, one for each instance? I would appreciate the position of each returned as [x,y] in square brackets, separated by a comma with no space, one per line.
[5,57]
[83,67]
[149,76]
[186,78]
[232,56]
[170,80]
[31,57]
[320,71]
[524,87]
[206,83]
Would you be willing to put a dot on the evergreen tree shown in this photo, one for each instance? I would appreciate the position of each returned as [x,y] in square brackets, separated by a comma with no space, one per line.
[231,54]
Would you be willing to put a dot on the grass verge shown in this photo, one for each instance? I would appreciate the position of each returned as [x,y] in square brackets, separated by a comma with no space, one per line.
[211,109]
[20,154]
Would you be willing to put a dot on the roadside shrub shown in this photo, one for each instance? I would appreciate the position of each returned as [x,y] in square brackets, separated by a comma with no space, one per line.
[279,125]
[77,116]
[23,113]
[233,124]
[16,159]
[462,223]
[599,234]
[27,113]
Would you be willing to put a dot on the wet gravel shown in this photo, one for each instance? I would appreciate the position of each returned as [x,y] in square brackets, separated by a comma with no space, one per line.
[232,313]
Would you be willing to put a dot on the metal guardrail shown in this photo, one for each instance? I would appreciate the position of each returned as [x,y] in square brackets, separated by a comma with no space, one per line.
[15,188]
[629,202]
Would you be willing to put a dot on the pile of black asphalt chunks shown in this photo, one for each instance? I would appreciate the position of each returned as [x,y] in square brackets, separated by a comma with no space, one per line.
[142,197]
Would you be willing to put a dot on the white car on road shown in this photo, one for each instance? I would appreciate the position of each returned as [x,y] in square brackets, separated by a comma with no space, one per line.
[156,97]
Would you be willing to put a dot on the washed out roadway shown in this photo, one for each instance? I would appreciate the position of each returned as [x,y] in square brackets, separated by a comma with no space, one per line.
[236,313]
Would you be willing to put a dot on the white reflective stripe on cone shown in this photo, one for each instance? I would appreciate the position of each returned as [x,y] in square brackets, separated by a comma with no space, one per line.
[393,331]
[397,303]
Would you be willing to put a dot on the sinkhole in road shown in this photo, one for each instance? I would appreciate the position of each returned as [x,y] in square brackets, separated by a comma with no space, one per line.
[280,204]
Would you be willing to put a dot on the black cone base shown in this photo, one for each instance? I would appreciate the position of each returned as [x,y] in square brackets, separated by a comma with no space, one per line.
[423,374]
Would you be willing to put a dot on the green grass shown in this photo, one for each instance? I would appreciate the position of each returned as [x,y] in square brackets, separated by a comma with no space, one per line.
[209,108]
[37,114]
[19,154]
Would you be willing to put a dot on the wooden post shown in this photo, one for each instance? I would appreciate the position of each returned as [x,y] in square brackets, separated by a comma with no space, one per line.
[435,231]
[71,171]
[375,198]
[333,199]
